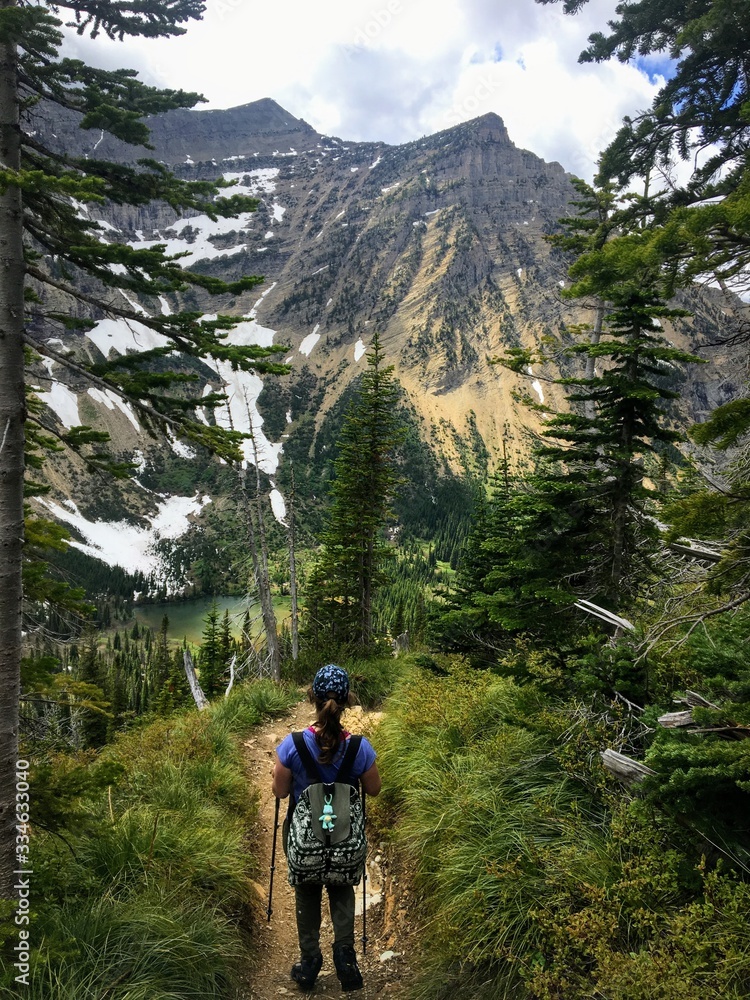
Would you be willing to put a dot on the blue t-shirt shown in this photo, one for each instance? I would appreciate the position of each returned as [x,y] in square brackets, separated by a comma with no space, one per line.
[287,753]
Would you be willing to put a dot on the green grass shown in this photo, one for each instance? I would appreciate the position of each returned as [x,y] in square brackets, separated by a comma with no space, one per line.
[249,704]
[144,948]
[533,877]
[146,897]
[484,816]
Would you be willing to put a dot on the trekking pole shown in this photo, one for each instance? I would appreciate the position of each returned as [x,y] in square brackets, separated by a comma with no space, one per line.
[269,911]
[364,884]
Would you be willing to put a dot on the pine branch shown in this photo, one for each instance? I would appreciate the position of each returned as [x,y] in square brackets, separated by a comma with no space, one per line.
[90,300]
[101,383]
[694,621]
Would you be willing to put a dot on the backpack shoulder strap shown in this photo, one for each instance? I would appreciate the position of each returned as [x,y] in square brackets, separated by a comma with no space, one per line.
[311,768]
[345,770]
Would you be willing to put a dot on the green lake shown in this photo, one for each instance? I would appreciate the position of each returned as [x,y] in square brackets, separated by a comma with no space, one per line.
[187,618]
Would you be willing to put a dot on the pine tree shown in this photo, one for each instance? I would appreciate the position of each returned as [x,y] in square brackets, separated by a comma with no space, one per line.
[46,242]
[528,554]
[161,659]
[211,666]
[226,643]
[624,389]
[703,222]
[343,582]
[94,725]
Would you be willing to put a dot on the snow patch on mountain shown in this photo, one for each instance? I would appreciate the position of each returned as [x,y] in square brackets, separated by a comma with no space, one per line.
[310,341]
[277,505]
[536,385]
[249,333]
[180,448]
[203,229]
[240,412]
[260,181]
[262,296]
[135,306]
[359,349]
[119,543]
[64,403]
[125,335]
[112,401]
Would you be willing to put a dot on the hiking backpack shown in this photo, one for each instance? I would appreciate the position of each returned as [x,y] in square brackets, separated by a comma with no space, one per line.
[326,841]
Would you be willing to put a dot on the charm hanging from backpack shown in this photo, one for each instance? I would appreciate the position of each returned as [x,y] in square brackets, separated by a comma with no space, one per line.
[328,817]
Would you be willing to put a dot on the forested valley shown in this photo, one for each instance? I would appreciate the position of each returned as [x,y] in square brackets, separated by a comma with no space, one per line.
[556,637]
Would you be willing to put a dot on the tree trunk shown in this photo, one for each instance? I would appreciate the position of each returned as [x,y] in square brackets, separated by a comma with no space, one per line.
[367,577]
[259,551]
[623,496]
[199,697]
[589,407]
[232,663]
[293,575]
[264,583]
[12,416]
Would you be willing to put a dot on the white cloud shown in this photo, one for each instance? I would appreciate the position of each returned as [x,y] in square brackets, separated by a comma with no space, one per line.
[397,69]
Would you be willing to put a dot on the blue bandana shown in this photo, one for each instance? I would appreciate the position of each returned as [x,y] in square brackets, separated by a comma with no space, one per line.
[331,679]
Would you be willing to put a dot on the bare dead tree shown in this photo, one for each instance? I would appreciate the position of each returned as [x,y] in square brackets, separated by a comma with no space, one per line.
[293,571]
[254,517]
[196,690]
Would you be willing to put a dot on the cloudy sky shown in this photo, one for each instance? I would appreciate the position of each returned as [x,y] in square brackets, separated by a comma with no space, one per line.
[395,70]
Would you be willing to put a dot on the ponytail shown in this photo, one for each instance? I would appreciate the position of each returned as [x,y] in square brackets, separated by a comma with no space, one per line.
[329,726]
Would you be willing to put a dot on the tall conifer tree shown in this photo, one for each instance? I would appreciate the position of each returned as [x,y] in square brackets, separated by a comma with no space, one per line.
[342,585]
[580,525]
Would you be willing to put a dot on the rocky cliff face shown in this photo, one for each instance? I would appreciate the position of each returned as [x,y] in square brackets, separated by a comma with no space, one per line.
[437,244]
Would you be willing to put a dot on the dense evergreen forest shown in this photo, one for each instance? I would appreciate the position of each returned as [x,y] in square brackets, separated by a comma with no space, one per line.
[559,650]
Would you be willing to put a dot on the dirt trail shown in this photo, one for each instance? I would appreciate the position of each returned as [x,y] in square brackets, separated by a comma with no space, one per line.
[383,968]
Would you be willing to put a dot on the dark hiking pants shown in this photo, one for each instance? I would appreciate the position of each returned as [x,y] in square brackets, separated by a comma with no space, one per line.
[309,899]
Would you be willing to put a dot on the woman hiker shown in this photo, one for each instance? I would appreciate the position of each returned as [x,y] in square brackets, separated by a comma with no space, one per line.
[327,741]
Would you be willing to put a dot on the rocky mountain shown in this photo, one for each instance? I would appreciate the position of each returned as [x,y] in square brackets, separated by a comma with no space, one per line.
[438,244]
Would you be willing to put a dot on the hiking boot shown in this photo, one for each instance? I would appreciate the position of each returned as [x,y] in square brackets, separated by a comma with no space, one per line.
[345,960]
[305,972]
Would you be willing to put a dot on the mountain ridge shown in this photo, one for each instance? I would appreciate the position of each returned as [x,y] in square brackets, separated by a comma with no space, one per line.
[438,244]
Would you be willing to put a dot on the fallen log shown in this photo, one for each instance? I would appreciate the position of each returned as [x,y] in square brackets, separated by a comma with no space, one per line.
[674,720]
[696,700]
[696,552]
[629,771]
